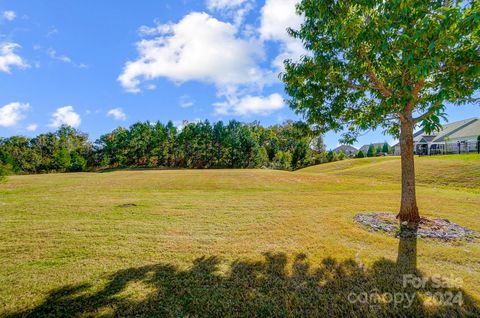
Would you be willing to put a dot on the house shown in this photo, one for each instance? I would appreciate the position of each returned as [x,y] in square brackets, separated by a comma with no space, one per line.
[457,137]
[377,145]
[350,151]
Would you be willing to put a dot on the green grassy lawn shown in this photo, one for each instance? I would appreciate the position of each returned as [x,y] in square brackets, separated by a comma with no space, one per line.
[228,242]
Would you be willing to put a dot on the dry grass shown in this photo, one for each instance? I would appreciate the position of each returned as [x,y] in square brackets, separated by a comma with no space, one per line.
[68,230]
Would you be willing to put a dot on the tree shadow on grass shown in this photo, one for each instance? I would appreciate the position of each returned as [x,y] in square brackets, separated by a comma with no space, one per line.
[267,288]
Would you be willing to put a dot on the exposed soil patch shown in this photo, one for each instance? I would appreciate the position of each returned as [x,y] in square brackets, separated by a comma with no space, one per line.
[128,205]
[441,229]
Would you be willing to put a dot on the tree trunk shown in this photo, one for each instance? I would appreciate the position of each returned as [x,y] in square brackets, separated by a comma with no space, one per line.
[408,208]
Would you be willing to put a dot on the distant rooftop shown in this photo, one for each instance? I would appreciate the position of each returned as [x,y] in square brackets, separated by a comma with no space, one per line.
[458,129]
[364,148]
[346,148]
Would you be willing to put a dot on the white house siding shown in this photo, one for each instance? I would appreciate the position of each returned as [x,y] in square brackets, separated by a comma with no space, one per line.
[457,137]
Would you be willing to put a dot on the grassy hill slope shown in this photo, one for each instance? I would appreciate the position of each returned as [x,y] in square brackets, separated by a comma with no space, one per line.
[461,171]
[224,242]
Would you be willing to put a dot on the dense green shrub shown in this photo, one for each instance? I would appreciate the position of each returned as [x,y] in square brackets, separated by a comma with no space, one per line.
[282,160]
[386,148]
[77,163]
[332,156]
[3,172]
[371,151]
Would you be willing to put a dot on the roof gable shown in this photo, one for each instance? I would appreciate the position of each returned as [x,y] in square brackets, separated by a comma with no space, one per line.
[456,128]
[472,129]
[450,130]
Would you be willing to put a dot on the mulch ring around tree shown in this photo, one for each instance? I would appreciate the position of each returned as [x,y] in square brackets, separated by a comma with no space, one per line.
[441,229]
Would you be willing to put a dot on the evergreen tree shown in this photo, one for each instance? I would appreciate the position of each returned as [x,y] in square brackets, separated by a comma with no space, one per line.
[62,160]
[196,145]
[317,144]
[386,148]
[371,151]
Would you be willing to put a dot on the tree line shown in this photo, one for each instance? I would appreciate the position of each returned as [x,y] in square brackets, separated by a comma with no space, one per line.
[375,151]
[288,146]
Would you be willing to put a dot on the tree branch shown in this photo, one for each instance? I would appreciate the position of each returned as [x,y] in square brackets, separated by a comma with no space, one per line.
[416,90]
[358,87]
[431,112]
[373,77]
[424,116]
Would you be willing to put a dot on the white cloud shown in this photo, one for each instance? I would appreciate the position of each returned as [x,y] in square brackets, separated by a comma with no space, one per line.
[224,4]
[228,55]
[65,116]
[51,32]
[9,15]
[158,29]
[117,113]
[292,49]
[276,17]
[198,48]
[247,105]
[235,9]
[12,113]
[32,127]
[63,58]
[180,124]
[9,58]
[186,101]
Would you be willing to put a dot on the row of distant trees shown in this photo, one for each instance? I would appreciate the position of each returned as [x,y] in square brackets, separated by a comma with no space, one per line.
[375,151]
[287,146]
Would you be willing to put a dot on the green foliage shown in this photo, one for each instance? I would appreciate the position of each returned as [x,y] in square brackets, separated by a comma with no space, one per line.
[145,144]
[3,172]
[263,157]
[300,156]
[78,163]
[374,63]
[282,160]
[386,148]
[62,160]
[320,158]
[342,155]
[371,151]
[47,152]
[360,154]
[332,156]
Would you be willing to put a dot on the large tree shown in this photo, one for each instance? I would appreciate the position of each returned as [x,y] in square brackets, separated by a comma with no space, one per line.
[385,64]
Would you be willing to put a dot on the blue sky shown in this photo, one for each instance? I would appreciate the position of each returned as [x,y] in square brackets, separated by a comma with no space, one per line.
[97,65]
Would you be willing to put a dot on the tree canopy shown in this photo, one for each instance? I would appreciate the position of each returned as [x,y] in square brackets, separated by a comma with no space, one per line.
[385,64]
[370,62]
[144,144]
